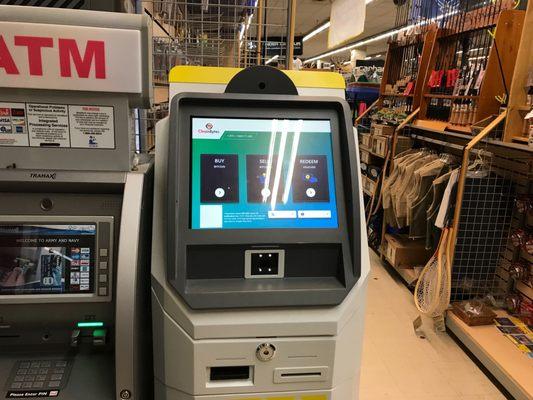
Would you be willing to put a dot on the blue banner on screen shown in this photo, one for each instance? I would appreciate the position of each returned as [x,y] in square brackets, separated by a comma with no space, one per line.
[262,174]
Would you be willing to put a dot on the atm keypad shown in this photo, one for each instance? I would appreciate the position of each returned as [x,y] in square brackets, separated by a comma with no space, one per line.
[51,374]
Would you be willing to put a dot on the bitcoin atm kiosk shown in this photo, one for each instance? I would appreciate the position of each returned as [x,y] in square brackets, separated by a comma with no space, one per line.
[259,257]
[75,210]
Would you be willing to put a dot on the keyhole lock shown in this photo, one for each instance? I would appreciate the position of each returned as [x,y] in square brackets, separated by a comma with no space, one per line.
[265,352]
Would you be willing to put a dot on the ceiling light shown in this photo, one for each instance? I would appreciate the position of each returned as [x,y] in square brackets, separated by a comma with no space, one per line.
[272,59]
[379,55]
[381,36]
[316,31]
[368,58]
[357,44]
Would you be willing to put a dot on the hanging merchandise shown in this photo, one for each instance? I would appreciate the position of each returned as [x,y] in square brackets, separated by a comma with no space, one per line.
[433,288]
[522,240]
[481,229]
[519,271]
[408,191]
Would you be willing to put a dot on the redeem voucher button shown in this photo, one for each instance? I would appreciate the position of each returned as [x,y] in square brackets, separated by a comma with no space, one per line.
[314,214]
[282,214]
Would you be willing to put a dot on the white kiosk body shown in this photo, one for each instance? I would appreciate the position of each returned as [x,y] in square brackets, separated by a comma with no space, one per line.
[75,212]
[227,324]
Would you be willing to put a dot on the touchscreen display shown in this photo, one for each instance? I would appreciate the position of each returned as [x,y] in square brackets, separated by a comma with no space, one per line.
[262,173]
[47,259]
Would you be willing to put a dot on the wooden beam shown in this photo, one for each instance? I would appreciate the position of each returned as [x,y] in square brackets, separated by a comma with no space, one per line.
[422,76]
[260,6]
[507,40]
[290,38]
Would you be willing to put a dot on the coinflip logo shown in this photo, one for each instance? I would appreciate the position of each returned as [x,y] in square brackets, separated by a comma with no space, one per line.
[43,175]
[208,130]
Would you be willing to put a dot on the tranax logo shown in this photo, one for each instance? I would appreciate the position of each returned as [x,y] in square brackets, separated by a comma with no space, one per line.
[42,175]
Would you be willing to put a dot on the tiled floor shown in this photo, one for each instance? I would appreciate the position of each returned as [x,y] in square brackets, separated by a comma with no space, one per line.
[397,365]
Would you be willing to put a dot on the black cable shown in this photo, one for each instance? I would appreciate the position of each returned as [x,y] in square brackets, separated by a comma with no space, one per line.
[502,73]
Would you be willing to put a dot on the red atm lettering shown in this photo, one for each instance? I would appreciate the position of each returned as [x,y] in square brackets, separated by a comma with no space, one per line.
[69,54]
[6,61]
[34,45]
[95,50]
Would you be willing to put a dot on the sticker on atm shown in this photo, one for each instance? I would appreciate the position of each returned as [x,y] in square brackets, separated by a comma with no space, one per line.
[13,130]
[31,394]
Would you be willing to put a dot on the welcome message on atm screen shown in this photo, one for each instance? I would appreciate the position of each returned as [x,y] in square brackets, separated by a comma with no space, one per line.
[47,259]
[262,173]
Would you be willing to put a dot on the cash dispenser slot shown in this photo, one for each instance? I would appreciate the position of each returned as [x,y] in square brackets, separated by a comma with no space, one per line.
[238,373]
[230,376]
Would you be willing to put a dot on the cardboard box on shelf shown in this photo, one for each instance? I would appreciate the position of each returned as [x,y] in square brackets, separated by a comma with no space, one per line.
[380,145]
[366,140]
[369,186]
[365,156]
[384,130]
[402,252]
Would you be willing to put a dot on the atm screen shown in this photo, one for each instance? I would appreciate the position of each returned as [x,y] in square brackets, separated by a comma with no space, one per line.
[47,259]
[262,173]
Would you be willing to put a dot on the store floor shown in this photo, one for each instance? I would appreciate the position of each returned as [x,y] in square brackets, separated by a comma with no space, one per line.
[398,365]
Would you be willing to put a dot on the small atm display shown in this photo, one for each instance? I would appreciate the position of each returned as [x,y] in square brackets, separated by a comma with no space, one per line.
[262,173]
[47,259]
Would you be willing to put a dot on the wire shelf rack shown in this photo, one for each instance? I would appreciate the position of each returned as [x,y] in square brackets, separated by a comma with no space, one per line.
[483,252]
[220,33]
[223,33]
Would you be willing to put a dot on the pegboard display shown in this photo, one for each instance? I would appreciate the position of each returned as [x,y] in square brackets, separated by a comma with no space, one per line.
[471,67]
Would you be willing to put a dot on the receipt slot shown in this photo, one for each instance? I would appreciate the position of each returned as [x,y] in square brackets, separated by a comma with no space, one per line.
[75,209]
[259,257]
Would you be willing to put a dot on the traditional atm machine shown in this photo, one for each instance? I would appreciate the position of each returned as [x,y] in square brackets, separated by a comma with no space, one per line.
[75,209]
[259,257]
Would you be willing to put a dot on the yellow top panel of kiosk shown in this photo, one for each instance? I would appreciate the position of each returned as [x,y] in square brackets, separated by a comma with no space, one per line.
[222,75]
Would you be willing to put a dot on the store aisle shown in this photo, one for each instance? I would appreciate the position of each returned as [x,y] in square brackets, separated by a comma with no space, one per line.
[397,365]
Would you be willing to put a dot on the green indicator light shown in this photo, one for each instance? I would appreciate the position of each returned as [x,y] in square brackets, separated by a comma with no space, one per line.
[90,324]
[99,333]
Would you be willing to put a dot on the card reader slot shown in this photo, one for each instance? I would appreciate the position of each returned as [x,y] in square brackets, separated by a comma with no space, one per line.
[293,374]
[303,374]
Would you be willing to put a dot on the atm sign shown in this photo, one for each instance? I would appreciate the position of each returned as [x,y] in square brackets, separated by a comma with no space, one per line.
[93,58]
[66,57]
